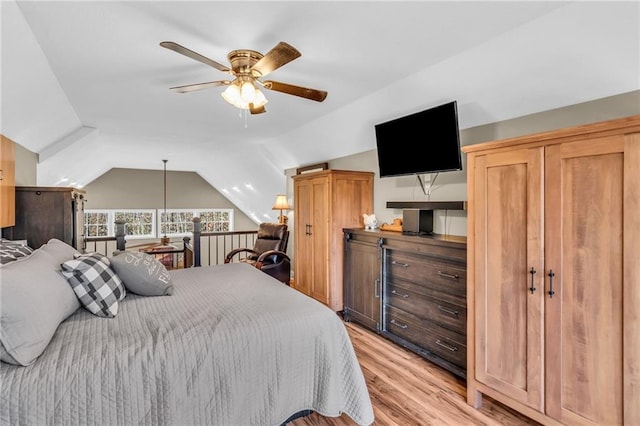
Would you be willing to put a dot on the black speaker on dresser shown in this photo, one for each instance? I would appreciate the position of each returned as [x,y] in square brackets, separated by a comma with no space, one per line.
[417,222]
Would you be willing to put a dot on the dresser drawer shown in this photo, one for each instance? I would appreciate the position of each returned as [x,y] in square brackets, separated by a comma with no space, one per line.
[437,340]
[448,277]
[403,295]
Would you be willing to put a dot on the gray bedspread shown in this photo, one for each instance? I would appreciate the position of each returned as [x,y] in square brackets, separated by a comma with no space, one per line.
[231,346]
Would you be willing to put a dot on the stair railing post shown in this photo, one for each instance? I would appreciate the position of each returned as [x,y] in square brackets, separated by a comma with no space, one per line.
[197,229]
[120,233]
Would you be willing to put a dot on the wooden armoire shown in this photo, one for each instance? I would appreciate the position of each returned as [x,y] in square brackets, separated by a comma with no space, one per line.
[325,202]
[7,182]
[44,212]
[553,291]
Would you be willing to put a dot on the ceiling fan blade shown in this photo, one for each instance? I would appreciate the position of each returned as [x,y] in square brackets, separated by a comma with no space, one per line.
[198,86]
[256,110]
[281,54]
[193,55]
[303,92]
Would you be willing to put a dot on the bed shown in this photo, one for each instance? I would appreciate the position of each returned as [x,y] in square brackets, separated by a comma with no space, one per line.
[229,345]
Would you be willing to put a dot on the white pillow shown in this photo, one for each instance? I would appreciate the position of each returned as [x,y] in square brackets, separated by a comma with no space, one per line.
[60,250]
[94,282]
[36,298]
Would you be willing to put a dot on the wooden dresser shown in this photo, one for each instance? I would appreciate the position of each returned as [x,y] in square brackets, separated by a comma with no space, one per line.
[410,289]
[44,212]
[324,203]
[554,274]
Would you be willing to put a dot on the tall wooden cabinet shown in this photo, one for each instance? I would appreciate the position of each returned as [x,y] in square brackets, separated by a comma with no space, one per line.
[44,212]
[324,203]
[7,182]
[554,274]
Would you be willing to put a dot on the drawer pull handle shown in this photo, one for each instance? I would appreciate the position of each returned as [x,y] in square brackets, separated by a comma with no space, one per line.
[397,324]
[451,276]
[448,311]
[444,345]
[404,265]
[399,294]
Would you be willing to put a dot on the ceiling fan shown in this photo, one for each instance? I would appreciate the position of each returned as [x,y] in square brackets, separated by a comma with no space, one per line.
[247,67]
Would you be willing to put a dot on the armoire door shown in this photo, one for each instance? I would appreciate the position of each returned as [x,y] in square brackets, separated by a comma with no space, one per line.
[509,273]
[7,183]
[303,211]
[584,249]
[320,239]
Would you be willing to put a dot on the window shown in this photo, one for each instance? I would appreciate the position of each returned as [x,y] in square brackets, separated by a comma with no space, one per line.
[176,222]
[220,220]
[97,223]
[141,223]
[179,222]
[137,223]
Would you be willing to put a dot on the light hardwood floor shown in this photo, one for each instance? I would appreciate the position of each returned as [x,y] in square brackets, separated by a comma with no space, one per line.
[408,390]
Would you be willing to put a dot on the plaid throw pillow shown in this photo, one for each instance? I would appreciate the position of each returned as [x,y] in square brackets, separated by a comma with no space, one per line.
[95,283]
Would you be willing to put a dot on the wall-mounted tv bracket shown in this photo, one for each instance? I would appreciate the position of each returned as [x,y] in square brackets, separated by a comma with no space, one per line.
[427,191]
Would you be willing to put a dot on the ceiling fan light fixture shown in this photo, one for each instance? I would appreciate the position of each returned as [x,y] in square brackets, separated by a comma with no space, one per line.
[260,100]
[242,93]
[248,92]
[232,94]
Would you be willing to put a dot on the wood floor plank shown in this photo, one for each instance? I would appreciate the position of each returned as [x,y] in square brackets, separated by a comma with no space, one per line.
[406,389]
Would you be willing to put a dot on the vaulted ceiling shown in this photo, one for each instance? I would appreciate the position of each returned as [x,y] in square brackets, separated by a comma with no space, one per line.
[85,84]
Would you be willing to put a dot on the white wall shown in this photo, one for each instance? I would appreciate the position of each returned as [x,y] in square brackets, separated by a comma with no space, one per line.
[26,166]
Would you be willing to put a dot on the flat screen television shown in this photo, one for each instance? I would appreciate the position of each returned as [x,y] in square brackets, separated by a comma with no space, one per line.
[424,142]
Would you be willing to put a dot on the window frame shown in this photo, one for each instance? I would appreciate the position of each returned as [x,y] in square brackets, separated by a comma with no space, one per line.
[195,213]
[156,215]
[137,237]
[230,221]
[109,224]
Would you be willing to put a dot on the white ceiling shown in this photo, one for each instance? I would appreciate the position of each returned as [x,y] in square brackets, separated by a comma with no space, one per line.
[86,85]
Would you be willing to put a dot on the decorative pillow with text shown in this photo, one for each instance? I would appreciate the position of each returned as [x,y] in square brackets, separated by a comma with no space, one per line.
[143,274]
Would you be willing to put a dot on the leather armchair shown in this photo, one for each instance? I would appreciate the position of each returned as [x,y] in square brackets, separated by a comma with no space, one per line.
[268,253]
